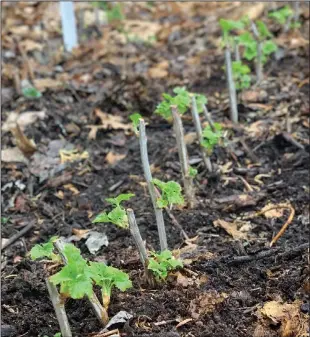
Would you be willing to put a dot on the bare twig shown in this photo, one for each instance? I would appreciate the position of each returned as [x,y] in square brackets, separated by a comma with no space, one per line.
[134,230]
[100,312]
[231,86]
[259,62]
[198,128]
[237,52]
[209,118]
[250,153]
[59,308]
[296,11]
[17,235]
[176,223]
[148,177]
[179,134]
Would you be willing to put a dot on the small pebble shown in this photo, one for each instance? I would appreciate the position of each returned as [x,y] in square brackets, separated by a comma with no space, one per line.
[304,308]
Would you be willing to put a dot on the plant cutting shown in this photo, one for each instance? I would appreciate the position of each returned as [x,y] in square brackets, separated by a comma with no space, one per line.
[118,214]
[149,180]
[198,128]
[228,26]
[76,280]
[183,156]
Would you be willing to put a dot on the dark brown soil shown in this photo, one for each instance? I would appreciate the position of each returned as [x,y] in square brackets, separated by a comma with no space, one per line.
[236,291]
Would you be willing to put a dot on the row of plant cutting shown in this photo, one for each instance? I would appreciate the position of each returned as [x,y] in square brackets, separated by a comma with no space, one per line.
[76,276]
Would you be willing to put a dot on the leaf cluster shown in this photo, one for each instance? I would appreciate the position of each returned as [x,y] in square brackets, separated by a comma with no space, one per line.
[77,277]
[182,100]
[135,117]
[118,214]
[241,75]
[281,15]
[45,250]
[161,264]
[210,138]
[171,193]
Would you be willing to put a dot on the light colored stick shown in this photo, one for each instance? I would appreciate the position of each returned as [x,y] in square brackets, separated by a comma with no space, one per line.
[198,128]
[59,309]
[183,157]
[209,118]
[134,230]
[296,11]
[99,310]
[259,63]
[148,177]
[231,86]
[68,25]
[237,52]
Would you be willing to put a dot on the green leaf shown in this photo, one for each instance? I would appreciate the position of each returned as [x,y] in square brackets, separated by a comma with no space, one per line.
[31,92]
[250,44]
[269,47]
[73,278]
[118,217]
[161,264]
[201,101]
[106,276]
[102,217]
[281,15]
[58,334]
[135,117]
[229,25]
[4,220]
[263,31]
[240,75]
[171,193]
[210,138]
[44,250]
[192,172]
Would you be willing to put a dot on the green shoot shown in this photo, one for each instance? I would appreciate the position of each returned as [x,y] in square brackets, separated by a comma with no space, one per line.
[282,15]
[228,26]
[210,138]
[161,264]
[45,250]
[192,172]
[4,220]
[170,193]
[108,277]
[113,11]
[135,121]
[263,31]
[182,100]
[241,75]
[118,214]
[268,47]
[31,92]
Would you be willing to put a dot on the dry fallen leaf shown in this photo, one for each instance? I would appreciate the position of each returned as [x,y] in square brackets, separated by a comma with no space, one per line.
[113,158]
[182,280]
[206,303]
[190,138]
[142,30]
[47,83]
[23,119]
[72,188]
[72,155]
[80,233]
[108,122]
[183,322]
[160,70]
[30,45]
[276,210]
[231,228]
[13,155]
[292,322]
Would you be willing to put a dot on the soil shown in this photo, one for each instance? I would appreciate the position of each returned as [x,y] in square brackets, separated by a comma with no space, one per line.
[221,298]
